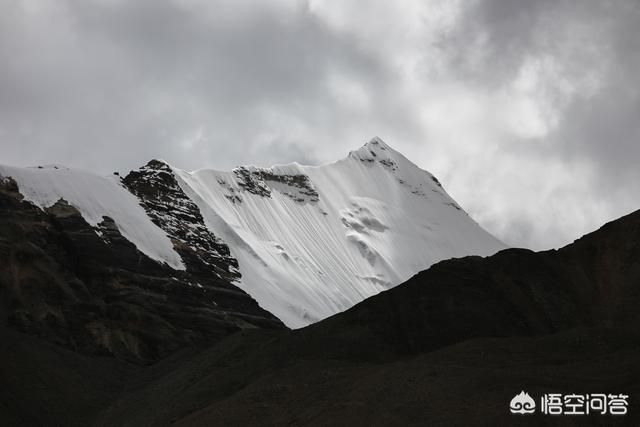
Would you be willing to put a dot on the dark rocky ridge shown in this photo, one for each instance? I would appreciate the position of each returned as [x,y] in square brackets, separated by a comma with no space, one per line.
[92,291]
[170,209]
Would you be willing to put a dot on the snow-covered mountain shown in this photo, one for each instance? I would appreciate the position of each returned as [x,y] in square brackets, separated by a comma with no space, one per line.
[308,241]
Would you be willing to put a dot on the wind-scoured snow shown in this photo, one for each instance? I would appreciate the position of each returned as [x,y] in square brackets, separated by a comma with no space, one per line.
[95,196]
[314,241]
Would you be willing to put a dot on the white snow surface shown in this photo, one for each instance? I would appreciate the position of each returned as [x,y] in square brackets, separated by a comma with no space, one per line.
[95,196]
[379,220]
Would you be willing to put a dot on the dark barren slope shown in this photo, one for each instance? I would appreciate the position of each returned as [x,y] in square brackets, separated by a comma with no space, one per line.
[451,346]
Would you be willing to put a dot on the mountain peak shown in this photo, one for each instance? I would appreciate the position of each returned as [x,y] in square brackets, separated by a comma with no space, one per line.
[374,147]
[157,164]
[376,151]
[377,142]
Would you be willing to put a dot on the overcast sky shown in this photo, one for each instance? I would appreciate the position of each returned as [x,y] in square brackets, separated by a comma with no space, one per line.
[528,111]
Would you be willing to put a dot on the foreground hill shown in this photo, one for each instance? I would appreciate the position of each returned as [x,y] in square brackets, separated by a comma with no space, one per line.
[451,346]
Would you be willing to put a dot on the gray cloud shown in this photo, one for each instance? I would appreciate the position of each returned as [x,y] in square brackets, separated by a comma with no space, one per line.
[139,79]
[526,110]
[568,164]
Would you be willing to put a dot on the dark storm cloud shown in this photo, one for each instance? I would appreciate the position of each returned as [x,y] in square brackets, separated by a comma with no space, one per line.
[527,110]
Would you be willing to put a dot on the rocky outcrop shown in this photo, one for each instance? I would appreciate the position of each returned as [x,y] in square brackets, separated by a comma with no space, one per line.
[261,182]
[176,214]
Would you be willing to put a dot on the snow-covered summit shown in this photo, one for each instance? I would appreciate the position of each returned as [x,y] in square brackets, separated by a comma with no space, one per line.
[309,241]
[373,147]
[314,240]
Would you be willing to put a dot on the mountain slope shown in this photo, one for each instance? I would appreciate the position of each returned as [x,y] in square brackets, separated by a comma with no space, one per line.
[451,346]
[561,321]
[305,242]
[313,241]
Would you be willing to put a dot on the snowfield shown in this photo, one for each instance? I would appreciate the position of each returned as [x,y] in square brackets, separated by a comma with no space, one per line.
[376,221]
[311,241]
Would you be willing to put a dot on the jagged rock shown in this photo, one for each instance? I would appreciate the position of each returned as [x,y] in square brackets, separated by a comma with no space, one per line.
[171,210]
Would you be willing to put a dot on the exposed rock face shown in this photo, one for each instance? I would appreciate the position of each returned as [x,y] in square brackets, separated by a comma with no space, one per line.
[251,181]
[171,210]
[261,182]
[90,290]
